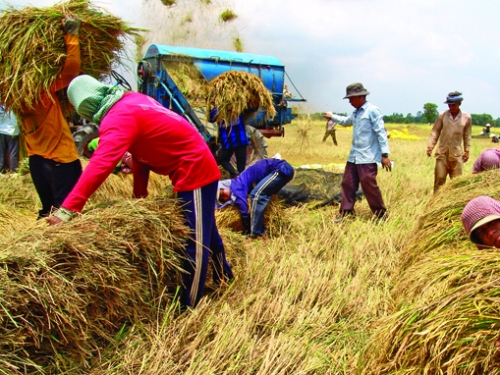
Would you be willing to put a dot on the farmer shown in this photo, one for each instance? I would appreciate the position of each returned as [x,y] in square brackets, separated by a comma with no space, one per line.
[160,141]
[233,140]
[481,221]
[330,131]
[261,180]
[9,141]
[452,128]
[369,146]
[488,159]
[53,158]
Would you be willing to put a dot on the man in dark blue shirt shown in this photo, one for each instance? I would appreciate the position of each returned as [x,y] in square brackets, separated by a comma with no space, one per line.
[233,140]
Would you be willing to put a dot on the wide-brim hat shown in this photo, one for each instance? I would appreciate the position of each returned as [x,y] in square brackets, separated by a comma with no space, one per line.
[355,89]
[479,223]
[454,97]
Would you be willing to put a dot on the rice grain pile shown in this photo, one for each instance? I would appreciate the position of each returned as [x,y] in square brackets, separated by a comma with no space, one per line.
[32,49]
[67,291]
[446,315]
[233,92]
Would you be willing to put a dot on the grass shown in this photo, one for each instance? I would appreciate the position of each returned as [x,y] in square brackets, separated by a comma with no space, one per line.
[307,301]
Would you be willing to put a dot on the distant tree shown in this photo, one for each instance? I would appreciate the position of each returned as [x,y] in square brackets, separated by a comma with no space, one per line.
[482,119]
[430,112]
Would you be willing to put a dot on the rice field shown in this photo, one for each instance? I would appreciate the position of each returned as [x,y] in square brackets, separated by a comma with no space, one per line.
[407,296]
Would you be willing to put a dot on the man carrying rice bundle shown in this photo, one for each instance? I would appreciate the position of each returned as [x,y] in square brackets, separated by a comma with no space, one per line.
[160,141]
[53,158]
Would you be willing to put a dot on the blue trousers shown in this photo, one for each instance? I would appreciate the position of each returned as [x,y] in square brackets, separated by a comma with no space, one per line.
[262,193]
[199,212]
[9,149]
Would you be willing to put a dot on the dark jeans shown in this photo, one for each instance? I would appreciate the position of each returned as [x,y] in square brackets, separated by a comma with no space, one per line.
[241,159]
[366,175]
[9,151]
[199,211]
[262,194]
[53,181]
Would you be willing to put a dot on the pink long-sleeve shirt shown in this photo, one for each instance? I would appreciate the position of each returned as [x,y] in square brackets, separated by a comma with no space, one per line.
[158,139]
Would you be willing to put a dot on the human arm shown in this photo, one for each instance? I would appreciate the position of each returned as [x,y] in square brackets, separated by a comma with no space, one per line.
[435,133]
[341,120]
[72,63]
[116,134]
[467,139]
[378,128]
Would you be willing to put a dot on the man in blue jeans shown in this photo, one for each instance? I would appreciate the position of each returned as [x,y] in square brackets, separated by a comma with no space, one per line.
[261,180]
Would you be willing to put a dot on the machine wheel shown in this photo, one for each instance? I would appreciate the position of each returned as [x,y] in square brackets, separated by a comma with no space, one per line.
[82,136]
[257,150]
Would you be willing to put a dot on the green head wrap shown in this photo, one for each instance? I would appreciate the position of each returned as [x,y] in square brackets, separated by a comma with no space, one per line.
[91,98]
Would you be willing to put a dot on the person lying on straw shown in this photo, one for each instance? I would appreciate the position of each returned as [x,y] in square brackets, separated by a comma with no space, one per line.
[160,141]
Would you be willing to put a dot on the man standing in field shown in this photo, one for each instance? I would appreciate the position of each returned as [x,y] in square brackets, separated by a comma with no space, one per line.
[330,131]
[452,127]
[369,146]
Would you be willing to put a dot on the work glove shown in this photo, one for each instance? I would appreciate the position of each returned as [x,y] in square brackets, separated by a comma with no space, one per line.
[246,226]
[72,26]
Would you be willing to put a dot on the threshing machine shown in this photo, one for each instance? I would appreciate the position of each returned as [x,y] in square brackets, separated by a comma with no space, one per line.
[156,78]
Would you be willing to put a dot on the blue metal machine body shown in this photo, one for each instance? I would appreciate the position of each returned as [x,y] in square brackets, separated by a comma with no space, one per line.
[155,81]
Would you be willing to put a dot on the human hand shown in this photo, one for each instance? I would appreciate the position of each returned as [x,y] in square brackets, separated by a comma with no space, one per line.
[328,115]
[53,220]
[386,164]
[429,151]
[71,25]
[465,156]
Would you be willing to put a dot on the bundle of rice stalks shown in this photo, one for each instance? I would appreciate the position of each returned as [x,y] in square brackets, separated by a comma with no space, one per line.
[120,186]
[446,294]
[189,80]
[68,290]
[32,48]
[440,228]
[13,221]
[234,92]
[168,3]
[276,219]
[18,193]
[456,333]
[228,15]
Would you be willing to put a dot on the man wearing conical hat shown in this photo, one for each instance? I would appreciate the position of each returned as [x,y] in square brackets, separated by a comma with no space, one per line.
[452,128]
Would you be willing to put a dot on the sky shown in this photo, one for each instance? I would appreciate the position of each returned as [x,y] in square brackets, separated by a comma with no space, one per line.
[406,53]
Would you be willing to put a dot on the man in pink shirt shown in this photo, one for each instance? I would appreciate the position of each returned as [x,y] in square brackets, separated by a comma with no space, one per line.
[165,143]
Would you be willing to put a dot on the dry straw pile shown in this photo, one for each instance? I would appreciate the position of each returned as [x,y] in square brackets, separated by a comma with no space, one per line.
[446,318]
[32,49]
[68,291]
[276,218]
[233,92]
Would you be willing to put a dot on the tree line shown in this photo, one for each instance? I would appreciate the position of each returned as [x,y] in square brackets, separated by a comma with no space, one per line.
[428,115]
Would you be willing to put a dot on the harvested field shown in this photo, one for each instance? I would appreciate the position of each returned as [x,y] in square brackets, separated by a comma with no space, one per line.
[407,296]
